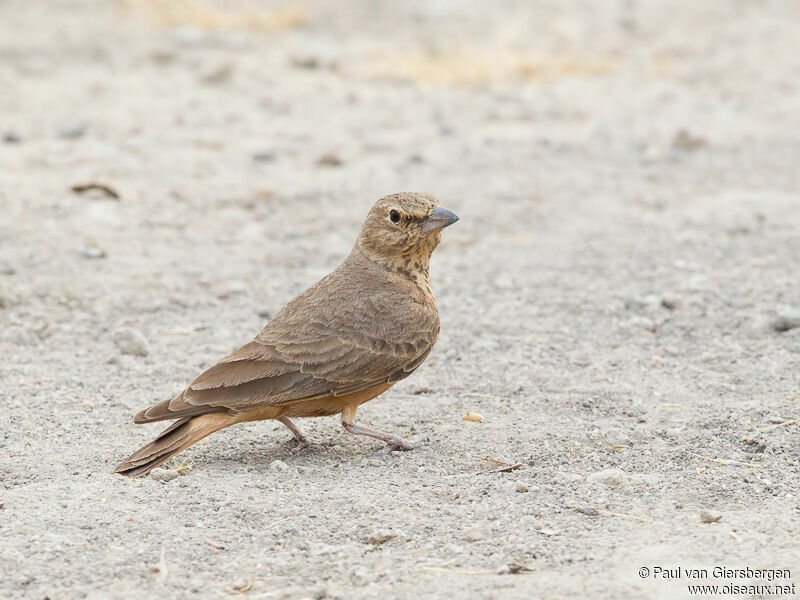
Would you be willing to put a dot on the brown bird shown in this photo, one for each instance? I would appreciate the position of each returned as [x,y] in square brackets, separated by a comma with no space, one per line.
[343,341]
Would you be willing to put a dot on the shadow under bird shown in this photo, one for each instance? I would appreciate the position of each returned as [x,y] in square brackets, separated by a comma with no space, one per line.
[343,341]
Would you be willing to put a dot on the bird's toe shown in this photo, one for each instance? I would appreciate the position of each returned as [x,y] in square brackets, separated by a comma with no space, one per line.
[399,445]
[307,443]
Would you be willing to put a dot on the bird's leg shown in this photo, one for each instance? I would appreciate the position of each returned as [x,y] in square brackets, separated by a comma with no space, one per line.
[392,442]
[303,441]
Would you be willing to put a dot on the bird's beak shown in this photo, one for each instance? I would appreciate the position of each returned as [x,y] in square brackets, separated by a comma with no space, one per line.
[438,219]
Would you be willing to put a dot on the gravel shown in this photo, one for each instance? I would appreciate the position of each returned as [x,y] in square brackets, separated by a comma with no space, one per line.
[608,477]
[787,319]
[130,341]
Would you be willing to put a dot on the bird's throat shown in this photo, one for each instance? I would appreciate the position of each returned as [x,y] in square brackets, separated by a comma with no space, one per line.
[411,268]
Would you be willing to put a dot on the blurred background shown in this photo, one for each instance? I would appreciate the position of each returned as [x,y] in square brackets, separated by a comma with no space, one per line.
[145,134]
[620,293]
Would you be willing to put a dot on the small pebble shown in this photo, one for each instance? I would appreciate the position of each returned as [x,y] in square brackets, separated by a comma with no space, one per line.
[6,268]
[563,478]
[521,487]
[163,56]
[291,528]
[512,569]
[642,323]
[652,153]
[670,301]
[641,302]
[306,62]
[361,577]
[504,282]
[646,479]
[218,74]
[278,465]
[685,140]
[321,549]
[787,319]
[477,532]
[264,156]
[228,289]
[708,516]
[380,536]
[318,60]
[453,548]
[71,131]
[160,474]
[92,252]
[130,341]
[608,477]
[330,160]
[319,593]
[188,35]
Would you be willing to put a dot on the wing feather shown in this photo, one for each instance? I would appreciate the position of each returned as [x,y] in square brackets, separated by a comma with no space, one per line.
[319,345]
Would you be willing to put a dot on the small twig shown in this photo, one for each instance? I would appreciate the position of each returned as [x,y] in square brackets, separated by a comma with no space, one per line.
[489,459]
[723,461]
[768,428]
[106,189]
[214,544]
[506,469]
[162,565]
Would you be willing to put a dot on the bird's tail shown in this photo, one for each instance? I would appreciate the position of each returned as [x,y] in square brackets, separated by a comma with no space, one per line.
[182,434]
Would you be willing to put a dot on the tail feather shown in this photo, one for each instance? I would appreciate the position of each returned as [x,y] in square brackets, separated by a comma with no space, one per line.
[179,436]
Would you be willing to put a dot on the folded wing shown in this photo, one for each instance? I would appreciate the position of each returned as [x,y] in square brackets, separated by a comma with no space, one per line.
[296,358]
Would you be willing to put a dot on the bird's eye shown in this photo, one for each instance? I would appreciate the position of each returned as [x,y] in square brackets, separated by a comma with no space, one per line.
[394,216]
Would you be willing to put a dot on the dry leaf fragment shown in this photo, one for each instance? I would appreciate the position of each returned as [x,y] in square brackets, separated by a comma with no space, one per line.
[473,416]
[101,187]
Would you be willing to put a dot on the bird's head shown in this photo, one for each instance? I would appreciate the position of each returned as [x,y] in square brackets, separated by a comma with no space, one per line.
[402,230]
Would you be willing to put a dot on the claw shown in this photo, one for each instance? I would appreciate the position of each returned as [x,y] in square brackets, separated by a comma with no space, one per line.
[398,445]
[307,442]
[392,443]
[299,447]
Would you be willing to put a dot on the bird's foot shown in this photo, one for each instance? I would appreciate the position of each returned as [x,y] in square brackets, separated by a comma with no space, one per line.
[303,441]
[307,442]
[394,444]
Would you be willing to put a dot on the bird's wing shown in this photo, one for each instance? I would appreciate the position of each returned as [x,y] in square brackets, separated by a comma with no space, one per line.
[297,357]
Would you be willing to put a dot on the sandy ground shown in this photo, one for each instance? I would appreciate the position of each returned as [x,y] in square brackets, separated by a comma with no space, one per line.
[627,179]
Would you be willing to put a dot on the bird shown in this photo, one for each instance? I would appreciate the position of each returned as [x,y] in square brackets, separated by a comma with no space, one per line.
[348,338]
